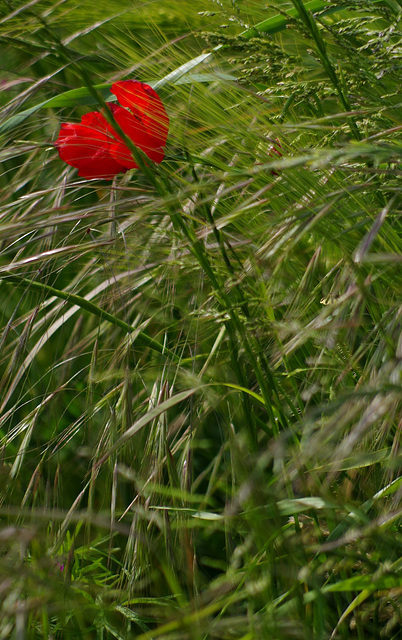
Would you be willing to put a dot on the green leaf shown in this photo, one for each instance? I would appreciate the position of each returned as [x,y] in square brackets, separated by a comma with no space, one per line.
[72,98]
[290,507]
[360,583]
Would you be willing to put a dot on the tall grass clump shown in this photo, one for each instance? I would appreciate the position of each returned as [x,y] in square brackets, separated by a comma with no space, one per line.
[200,363]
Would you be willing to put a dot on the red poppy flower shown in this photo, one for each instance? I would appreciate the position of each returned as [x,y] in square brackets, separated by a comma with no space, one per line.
[275,148]
[96,149]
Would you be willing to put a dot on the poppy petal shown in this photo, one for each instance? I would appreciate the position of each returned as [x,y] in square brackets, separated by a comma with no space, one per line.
[87,148]
[140,137]
[145,105]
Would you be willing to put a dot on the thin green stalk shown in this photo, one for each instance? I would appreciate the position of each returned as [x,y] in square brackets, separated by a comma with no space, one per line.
[92,308]
[199,252]
[308,19]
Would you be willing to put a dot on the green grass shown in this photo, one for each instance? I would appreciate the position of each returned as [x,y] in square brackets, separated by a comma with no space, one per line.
[200,363]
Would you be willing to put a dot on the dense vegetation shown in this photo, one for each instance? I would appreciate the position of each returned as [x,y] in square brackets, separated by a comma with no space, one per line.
[200,363]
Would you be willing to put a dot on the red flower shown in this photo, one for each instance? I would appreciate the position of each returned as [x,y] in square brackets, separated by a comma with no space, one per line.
[95,148]
[275,148]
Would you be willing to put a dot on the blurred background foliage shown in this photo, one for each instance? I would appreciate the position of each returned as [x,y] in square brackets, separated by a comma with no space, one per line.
[200,365]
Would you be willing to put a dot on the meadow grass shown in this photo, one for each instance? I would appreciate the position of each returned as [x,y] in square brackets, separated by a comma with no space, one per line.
[200,361]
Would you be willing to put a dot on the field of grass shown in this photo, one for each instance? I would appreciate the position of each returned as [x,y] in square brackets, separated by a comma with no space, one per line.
[200,360]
